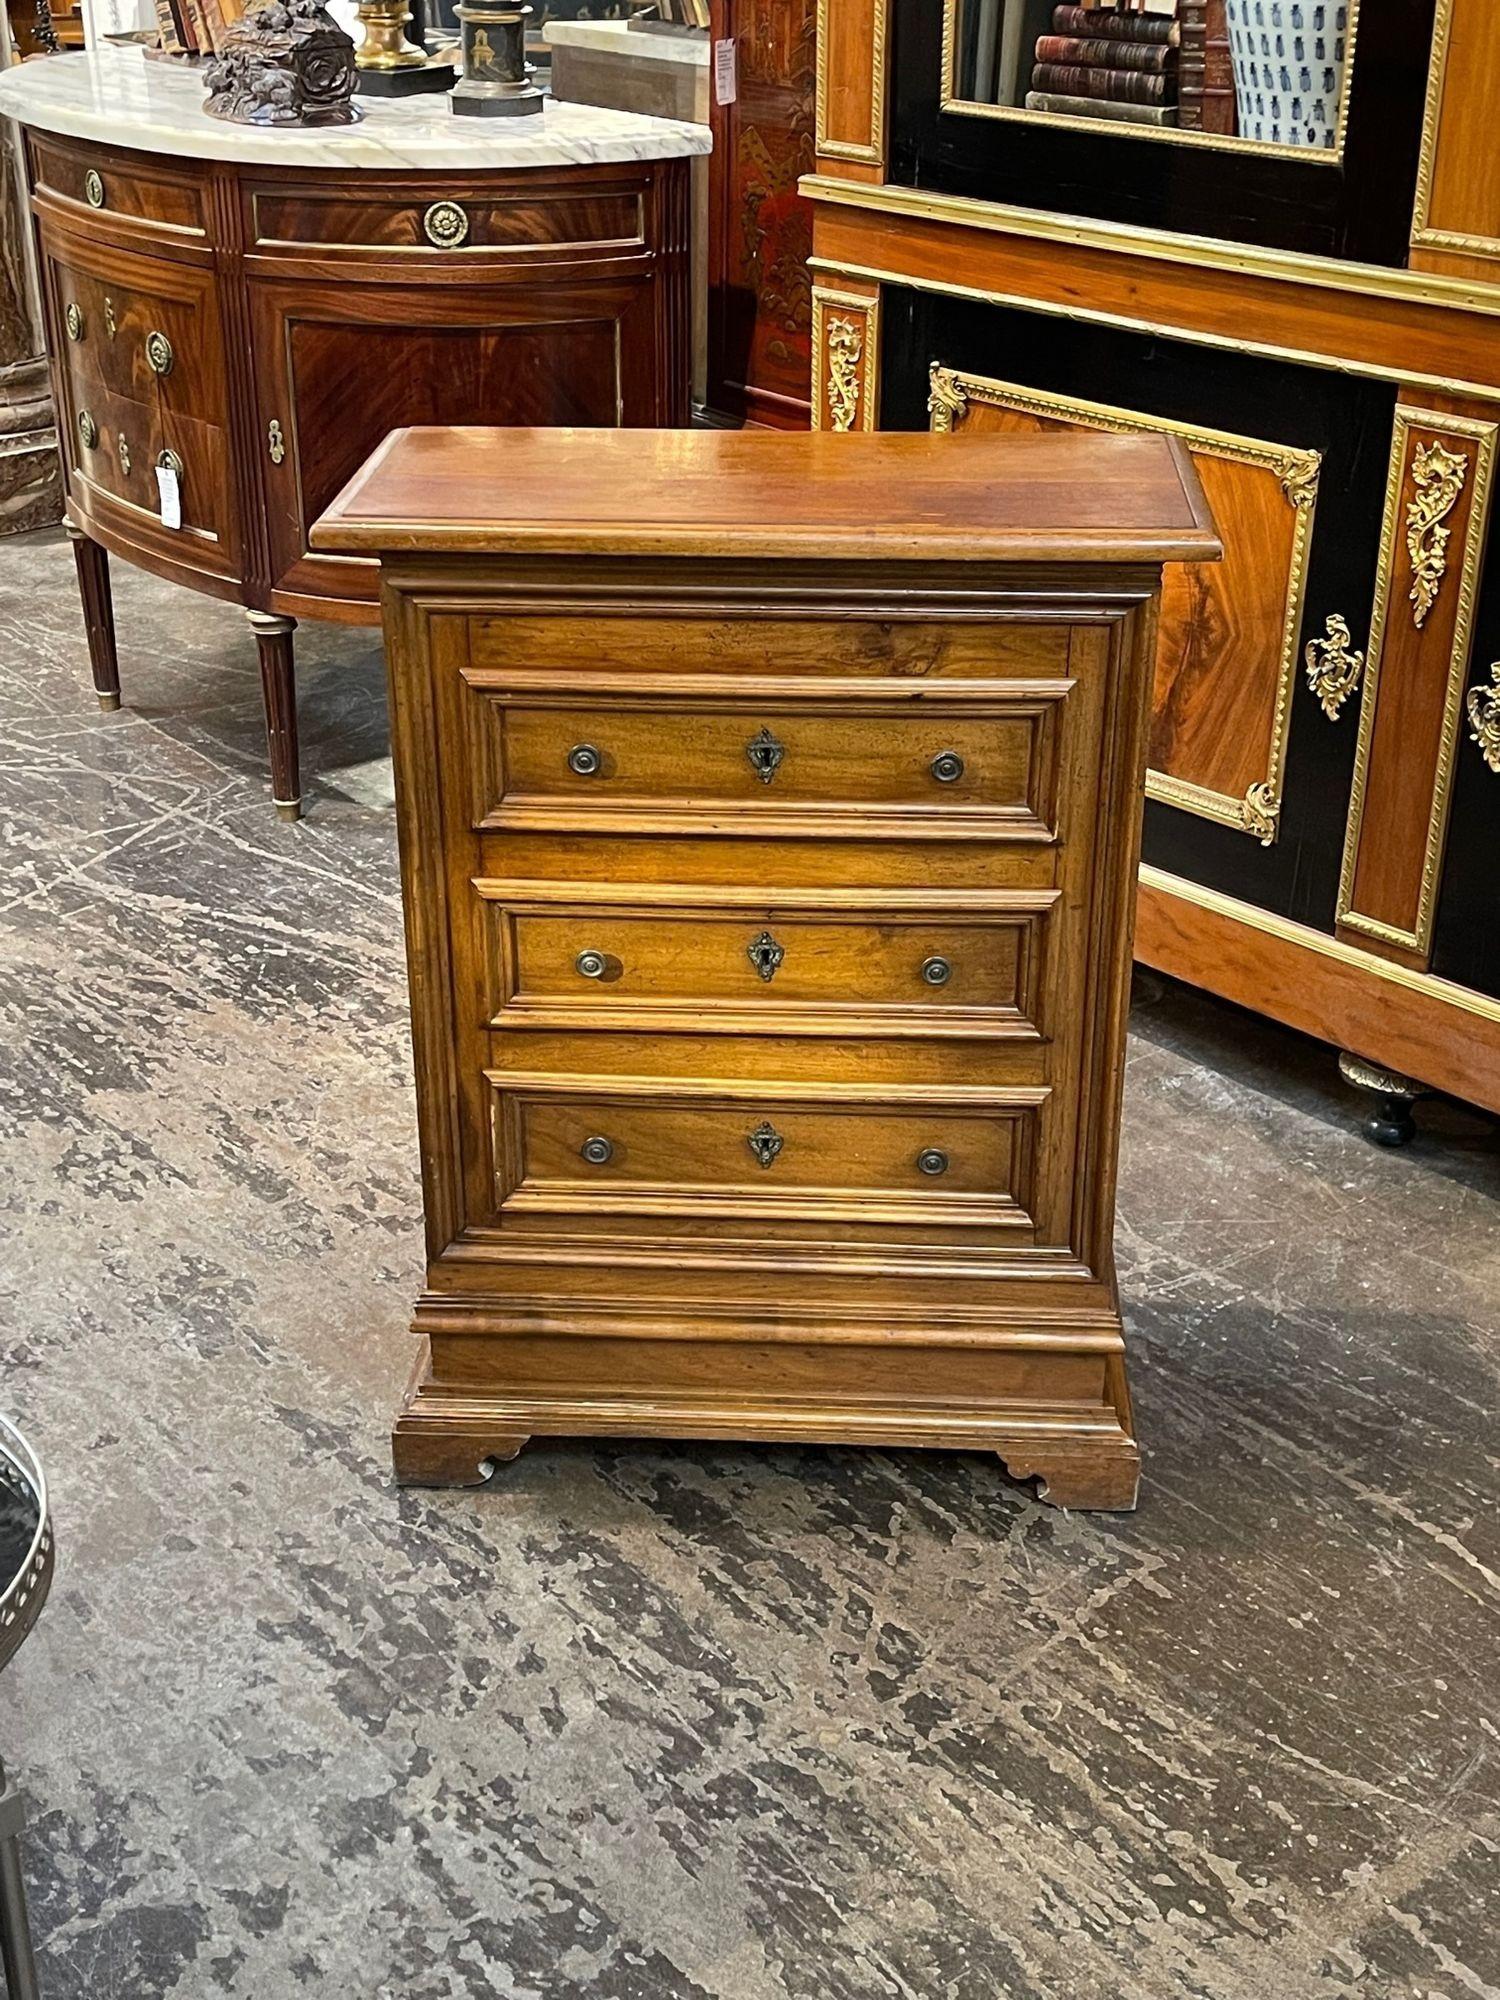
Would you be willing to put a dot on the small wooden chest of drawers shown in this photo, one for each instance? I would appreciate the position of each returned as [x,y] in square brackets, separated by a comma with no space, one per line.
[769,813]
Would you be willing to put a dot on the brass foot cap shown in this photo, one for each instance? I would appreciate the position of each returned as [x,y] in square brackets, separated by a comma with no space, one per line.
[288,808]
[109,703]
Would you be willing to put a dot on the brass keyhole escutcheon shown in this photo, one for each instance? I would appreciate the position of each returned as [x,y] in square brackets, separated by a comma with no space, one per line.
[275,442]
[123,447]
[597,1151]
[765,954]
[159,355]
[88,430]
[932,1160]
[73,319]
[765,1142]
[446,225]
[111,324]
[93,189]
[947,767]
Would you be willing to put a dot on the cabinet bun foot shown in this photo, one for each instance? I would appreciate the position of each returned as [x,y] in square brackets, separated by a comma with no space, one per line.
[1105,1479]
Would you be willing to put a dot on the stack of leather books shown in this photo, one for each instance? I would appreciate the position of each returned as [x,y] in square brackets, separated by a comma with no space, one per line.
[1108,63]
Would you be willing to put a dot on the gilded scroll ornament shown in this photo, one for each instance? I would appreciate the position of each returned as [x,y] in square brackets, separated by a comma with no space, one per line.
[1333,666]
[1262,812]
[846,344]
[947,400]
[1484,718]
[1437,478]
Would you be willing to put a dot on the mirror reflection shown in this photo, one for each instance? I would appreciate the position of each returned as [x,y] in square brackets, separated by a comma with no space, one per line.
[1270,72]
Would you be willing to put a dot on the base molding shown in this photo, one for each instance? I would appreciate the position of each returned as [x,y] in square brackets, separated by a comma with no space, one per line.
[1444,1036]
[455,1436]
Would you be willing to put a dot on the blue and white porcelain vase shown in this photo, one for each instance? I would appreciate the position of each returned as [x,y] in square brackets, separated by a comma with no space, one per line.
[1288,69]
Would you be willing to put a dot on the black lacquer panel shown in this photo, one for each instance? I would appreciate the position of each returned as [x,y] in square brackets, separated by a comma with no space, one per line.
[1345,417]
[1359,208]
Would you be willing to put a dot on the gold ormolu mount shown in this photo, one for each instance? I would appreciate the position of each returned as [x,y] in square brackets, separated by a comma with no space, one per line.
[497,81]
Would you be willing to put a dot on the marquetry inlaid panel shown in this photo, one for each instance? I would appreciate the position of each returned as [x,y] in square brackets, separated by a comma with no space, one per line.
[1226,660]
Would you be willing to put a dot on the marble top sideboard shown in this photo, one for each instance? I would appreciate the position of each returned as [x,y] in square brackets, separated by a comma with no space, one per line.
[121,97]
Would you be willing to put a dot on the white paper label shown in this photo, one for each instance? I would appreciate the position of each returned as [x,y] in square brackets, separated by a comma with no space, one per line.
[726,87]
[170,489]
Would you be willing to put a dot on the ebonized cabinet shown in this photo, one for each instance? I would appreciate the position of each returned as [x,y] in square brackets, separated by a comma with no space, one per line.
[1321,328]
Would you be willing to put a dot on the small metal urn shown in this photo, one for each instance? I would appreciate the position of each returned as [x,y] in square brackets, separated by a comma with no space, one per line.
[496,80]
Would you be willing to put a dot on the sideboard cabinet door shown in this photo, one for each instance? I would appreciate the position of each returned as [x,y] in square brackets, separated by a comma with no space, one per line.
[342,365]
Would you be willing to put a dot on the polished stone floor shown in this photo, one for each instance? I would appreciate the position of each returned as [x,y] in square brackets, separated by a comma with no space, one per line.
[644,1723]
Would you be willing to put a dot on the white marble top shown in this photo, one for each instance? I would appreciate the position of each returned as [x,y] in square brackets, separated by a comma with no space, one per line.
[618,38]
[120,96]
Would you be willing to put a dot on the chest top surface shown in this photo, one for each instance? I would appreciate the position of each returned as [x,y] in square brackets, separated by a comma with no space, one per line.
[877,496]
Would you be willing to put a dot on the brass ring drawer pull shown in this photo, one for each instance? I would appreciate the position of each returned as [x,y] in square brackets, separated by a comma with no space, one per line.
[591,965]
[932,1160]
[765,1142]
[947,767]
[159,355]
[93,189]
[445,225]
[765,754]
[584,761]
[937,971]
[169,461]
[597,1151]
[765,954]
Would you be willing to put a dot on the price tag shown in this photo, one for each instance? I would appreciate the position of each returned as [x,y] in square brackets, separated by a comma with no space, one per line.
[169,487]
[726,83]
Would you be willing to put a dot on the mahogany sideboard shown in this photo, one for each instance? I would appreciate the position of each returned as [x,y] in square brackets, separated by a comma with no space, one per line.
[769,808]
[256,310]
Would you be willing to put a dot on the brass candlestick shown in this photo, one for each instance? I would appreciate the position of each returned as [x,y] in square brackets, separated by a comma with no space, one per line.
[388,64]
[497,79]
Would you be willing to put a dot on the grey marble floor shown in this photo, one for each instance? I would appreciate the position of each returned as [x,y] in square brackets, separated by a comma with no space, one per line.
[642,1723]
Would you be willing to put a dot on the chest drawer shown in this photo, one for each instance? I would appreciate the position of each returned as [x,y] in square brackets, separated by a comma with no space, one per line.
[859,761]
[927,963]
[624,1147]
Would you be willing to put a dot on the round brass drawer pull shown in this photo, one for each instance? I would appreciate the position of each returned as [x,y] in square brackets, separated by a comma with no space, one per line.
[932,1160]
[88,430]
[947,767]
[93,189]
[445,225]
[598,1152]
[170,462]
[159,355]
[937,971]
[591,965]
[73,319]
[584,761]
